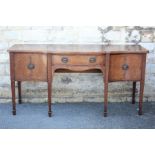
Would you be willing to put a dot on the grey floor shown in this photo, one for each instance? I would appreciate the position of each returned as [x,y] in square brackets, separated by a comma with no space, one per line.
[77,115]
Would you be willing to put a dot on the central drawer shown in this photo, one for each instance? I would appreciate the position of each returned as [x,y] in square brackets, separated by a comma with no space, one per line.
[78,60]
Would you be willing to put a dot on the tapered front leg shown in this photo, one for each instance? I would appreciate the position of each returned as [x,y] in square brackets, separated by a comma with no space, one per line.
[133,92]
[12,77]
[49,81]
[49,98]
[106,79]
[13,97]
[142,81]
[105,98]
[141,97]
[19,93]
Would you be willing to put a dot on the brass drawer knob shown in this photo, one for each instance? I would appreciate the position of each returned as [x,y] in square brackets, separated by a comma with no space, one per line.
[125,67]
[64,59]
[30,66]
[92,59]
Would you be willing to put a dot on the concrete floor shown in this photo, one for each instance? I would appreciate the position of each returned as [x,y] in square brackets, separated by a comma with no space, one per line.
[77,115]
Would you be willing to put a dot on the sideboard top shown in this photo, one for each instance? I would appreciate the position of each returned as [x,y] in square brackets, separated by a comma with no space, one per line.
[77,48]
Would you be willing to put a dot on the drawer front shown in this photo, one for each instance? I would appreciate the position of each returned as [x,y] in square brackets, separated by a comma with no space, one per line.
[125,67]
[78,60]
[30,67]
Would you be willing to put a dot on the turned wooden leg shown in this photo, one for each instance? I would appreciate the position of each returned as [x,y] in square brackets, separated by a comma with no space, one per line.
[133,92]
[141,97]
[13,98]
[19,93]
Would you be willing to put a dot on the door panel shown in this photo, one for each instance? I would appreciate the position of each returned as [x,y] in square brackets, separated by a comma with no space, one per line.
[30,67]
[125,67]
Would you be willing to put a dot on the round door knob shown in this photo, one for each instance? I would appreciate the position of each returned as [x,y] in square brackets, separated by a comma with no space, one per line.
[30,66]
[125,67]
[64,59]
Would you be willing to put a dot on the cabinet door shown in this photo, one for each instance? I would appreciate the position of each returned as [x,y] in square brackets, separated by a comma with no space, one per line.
[30,67]
[125,67]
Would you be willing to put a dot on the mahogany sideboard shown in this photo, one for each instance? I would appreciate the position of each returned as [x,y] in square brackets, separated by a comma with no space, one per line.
[39,62]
